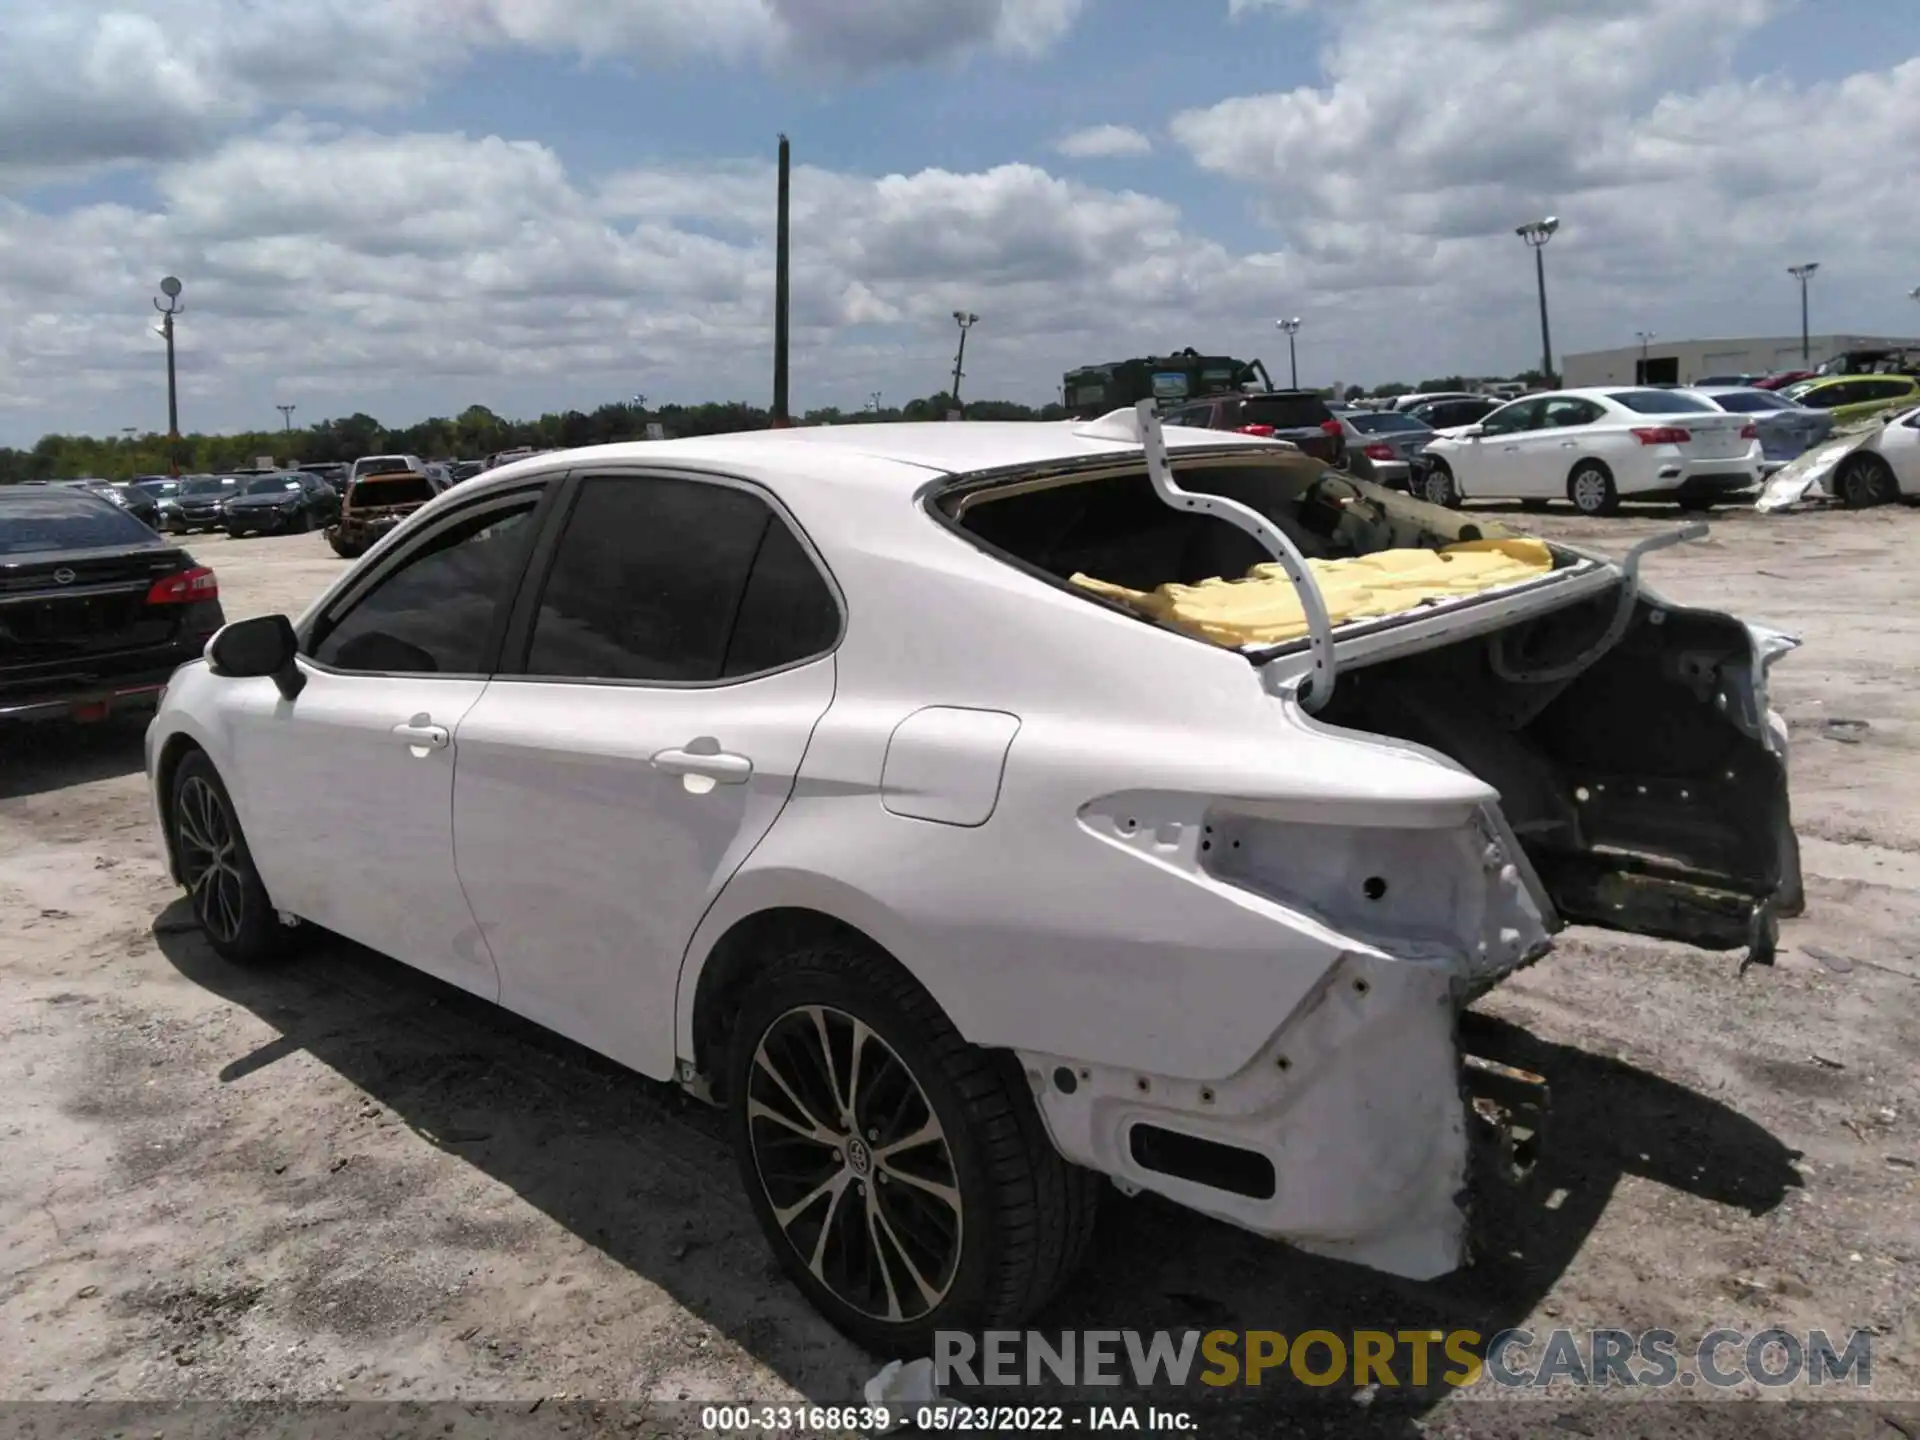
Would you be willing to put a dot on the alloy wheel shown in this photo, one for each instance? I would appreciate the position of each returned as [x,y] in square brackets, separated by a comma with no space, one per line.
[210,859]
[855,1165]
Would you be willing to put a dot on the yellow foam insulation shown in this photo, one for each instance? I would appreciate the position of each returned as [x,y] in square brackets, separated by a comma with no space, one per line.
[1263,608]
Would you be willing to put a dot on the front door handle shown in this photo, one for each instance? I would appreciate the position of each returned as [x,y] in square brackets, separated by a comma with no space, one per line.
[422,735]
[716,765]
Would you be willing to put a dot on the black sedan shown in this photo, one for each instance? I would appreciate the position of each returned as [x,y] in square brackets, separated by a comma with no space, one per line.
[285,503]
[96,611]
[198,503]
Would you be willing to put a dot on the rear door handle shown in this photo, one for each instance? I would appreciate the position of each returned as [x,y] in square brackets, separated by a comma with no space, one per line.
[717,765]
[423,735]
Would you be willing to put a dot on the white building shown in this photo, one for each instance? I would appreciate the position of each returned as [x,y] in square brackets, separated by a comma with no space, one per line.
[1683,362]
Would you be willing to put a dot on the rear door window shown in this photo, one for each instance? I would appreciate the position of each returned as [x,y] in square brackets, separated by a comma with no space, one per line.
[1570,410]
[673,581]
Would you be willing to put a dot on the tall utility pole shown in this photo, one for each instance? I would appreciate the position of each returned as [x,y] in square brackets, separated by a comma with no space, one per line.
[1645,337]
[286,415]
[170,288]
[1536,233]
[781,258]
[1804,273]
[966,320]
[1292,327]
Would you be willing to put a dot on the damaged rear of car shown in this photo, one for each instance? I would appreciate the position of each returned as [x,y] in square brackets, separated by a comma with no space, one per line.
[375,504]
[1465,740]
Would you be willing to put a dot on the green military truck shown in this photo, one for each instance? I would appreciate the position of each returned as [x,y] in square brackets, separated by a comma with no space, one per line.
[1095,390]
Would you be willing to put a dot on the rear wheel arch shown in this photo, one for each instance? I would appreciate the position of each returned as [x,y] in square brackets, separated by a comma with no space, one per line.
[752,947]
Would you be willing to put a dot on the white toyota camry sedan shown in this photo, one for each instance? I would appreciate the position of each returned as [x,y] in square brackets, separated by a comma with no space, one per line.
[903,789]
[1595,448]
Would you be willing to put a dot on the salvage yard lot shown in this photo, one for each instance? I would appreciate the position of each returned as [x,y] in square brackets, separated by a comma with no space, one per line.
[340,1179]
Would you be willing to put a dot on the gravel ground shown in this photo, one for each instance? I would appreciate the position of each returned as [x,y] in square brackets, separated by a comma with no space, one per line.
[340,1180]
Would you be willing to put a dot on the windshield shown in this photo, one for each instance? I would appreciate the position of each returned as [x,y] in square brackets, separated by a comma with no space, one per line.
[383,465]
[52,521]
[1797,389]
[1378,422]
[270,484]
[1660,402]
[203,485]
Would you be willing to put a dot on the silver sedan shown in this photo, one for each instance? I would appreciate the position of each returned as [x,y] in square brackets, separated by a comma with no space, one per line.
[1787,429]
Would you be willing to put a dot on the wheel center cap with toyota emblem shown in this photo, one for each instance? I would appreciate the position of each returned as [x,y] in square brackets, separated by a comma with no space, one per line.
[859,1159]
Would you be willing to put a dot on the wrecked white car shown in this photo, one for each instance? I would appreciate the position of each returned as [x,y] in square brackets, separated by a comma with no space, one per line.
[942,801]
[1874,464]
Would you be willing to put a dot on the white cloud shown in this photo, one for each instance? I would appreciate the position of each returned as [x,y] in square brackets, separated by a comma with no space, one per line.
[1104,142]
[90,83]
[1683,190]
[400,274]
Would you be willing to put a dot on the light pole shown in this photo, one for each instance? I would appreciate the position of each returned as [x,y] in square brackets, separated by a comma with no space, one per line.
[1645,337]
[1804,273]
[286,416]
[873,402]
[170,288]
[1536,233]
[1292,327]
[966,320]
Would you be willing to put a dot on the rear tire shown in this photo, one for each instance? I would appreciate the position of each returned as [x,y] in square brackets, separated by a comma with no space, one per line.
[344,548]
[837,1058]
[1590,488]
[1437,486]
[1865,480]
[302,523]
[225,890]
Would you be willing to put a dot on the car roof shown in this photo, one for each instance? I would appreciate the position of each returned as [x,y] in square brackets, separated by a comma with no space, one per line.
[892,457]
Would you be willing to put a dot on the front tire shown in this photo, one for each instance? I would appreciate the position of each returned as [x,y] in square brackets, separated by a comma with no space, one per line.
[1438,487]
[226,892]
[1590,487]
[1866,480]
[901,1175]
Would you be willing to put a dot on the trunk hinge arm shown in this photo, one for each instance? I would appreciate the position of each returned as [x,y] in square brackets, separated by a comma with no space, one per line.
[1622,615]
[1317,687]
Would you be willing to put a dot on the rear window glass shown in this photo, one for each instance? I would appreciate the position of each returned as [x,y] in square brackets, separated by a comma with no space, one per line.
[271,483]
[1661,402]
[405,488]
[1378,422]
[30,523]
[1285,412]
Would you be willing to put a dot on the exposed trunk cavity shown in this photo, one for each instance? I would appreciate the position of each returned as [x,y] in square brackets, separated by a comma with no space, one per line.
[1630,743]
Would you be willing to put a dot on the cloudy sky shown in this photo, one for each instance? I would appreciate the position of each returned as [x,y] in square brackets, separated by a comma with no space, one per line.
[408,206]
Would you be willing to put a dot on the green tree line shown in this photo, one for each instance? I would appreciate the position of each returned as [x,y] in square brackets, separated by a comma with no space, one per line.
[473,433]
[477,431]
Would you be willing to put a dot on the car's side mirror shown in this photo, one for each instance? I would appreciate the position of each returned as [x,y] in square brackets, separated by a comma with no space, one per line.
[1473,432]
[265,645]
